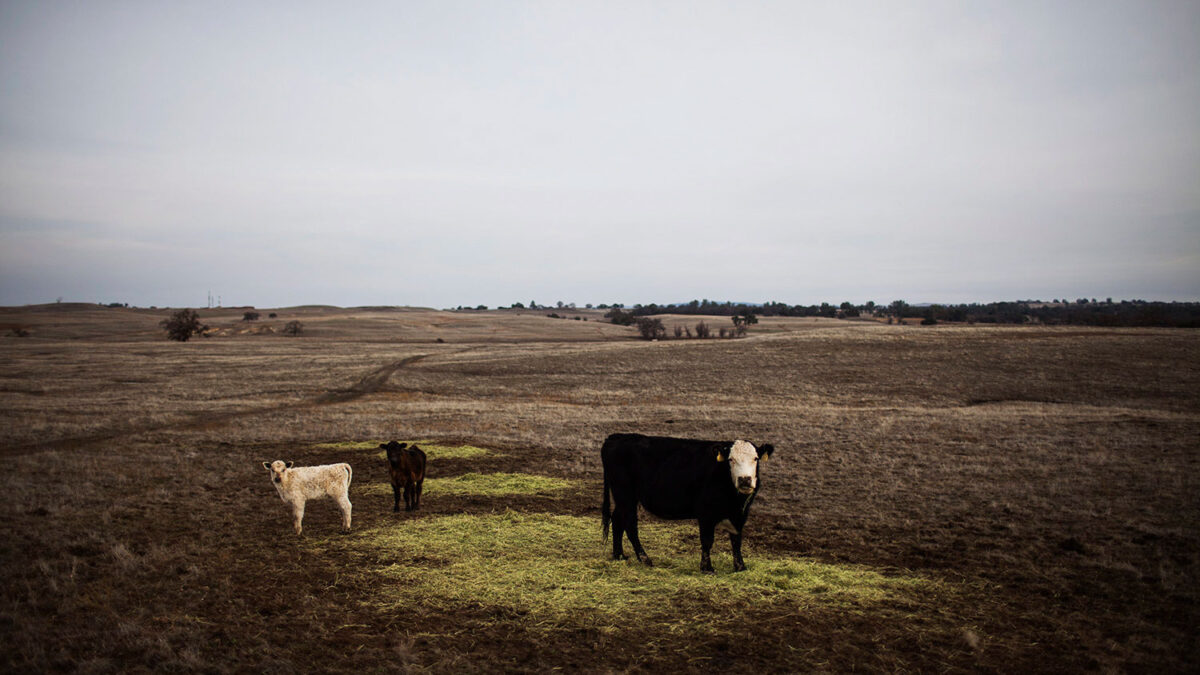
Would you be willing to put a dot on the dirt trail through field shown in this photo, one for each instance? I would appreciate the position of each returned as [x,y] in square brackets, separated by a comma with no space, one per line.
[369,384]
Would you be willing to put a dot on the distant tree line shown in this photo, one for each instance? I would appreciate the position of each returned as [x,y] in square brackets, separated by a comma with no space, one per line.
[1082,312]
[731,309]
[652,328]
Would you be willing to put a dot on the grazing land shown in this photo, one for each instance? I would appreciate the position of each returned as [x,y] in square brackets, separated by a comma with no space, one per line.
[1002,499]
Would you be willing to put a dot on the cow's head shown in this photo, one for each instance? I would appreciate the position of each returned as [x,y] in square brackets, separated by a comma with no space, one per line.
[277,469]
[395,452]
[743,460]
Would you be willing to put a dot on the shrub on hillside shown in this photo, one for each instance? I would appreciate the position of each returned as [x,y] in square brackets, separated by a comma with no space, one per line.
[741,322]
[651,329]
[182,325]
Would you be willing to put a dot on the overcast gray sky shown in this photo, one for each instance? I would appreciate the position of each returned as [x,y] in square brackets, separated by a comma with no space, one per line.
[444,153]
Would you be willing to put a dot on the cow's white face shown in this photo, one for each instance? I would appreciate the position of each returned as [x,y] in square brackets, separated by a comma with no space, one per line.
[743,466]
[277,469]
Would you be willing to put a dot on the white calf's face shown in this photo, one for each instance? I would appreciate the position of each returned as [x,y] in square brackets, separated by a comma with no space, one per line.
[743,466]
[277,469]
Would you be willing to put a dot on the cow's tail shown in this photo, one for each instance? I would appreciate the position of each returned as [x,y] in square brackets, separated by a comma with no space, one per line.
[605,512]
[349,474]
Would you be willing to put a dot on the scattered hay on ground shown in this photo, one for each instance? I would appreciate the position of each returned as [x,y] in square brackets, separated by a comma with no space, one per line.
[432,450]
[485,485]
[554,572]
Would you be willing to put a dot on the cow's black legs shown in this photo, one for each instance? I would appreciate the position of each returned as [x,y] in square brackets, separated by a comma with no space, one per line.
[735,542]
[624,523]
[707,535]
[396,497]
[408,496]
[618,533]
[631,530]
[417,494]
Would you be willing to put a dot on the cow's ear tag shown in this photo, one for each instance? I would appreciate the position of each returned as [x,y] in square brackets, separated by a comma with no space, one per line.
[720,457]
[763,458]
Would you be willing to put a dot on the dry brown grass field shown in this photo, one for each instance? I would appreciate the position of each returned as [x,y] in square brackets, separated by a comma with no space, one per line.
[941,499]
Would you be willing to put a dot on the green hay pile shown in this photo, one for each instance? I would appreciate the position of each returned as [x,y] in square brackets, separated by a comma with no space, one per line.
[347,445]
[554,571]
[485,485]
[432,450]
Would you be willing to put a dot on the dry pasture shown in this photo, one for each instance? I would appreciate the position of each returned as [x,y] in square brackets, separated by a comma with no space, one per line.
[942,499]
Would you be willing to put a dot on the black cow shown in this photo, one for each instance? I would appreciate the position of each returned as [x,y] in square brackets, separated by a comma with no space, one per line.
[713,482]
[407,467]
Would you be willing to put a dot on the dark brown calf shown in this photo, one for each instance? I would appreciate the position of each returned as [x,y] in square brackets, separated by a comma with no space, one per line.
[407,466]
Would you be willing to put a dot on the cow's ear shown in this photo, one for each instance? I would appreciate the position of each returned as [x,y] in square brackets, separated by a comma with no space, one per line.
[289,464]
[401,446]
[383,446]
[764,451]
[267,466]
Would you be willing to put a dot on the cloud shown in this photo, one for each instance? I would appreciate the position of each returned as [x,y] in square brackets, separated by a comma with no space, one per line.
[457,153]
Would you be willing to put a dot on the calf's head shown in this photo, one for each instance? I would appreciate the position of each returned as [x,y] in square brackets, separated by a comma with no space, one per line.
[277,469]
[743,460]
[396,456]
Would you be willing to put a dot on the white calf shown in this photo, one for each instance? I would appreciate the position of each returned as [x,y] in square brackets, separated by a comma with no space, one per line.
[297,485]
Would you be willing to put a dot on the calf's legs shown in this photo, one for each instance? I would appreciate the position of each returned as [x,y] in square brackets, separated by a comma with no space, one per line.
[412,495]
[343,502]
[298,516]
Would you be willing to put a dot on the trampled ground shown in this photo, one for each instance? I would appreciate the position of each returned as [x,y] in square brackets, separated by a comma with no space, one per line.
[947,498]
